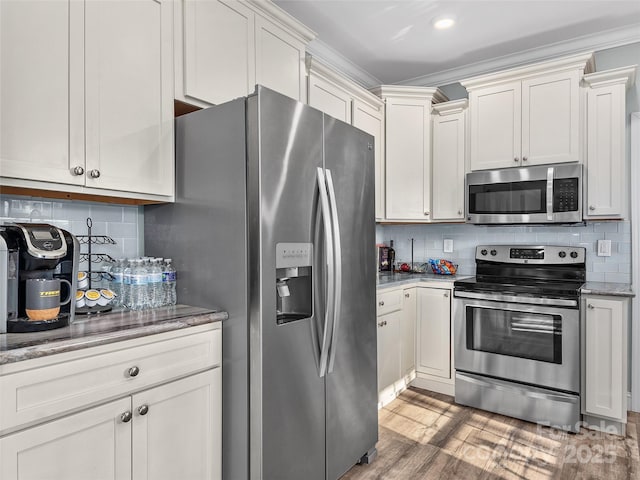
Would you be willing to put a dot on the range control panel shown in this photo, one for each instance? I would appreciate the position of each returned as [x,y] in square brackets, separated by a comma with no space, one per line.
[536,254]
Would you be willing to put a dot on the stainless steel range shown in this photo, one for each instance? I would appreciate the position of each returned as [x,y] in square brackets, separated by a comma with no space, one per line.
[517,333]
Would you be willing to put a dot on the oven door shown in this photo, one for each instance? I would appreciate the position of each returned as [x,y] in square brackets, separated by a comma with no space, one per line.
[531,344]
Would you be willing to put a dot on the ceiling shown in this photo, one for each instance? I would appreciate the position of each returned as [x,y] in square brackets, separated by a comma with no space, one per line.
[395,42]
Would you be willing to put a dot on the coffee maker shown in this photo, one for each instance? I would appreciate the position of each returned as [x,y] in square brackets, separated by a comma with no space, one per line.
[34,251]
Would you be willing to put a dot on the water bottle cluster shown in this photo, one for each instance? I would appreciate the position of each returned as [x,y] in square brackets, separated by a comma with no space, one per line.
[142,283]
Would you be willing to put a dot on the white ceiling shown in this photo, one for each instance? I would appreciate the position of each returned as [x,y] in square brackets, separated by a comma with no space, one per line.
[394,41]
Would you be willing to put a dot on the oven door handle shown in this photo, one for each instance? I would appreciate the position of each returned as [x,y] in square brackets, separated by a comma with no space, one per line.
[527,391]
[550,172]
[551,302]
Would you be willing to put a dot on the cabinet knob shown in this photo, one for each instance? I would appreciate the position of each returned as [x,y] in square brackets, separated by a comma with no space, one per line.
[516,159]
[94,173]
[426,212]
[524,159]
[78,170]
[133,371]
[446,295]
[381,303]
[407,295]
[592,207]
[381,324]
[143,409]
[590,306]
[126,416]
[459,212]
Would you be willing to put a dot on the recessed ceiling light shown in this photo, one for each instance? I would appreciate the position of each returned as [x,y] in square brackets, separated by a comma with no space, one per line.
[442,23]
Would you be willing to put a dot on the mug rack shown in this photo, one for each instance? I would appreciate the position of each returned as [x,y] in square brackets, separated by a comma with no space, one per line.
[94,258]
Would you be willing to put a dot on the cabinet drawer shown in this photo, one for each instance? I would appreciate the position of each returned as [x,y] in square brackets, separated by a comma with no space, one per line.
[36,395]
[389,302]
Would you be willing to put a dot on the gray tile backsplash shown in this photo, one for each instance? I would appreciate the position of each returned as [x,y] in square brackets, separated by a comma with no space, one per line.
[428,243]
[122,223]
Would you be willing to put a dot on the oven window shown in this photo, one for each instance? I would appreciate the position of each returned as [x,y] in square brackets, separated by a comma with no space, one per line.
[505,198]
[517,334]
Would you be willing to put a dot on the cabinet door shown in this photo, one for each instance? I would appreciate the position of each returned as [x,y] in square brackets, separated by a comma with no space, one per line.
[408,172]
[495,126]
[388,349]
[94,444]
[371,120]
[448,166]
[550,119]
[408,332]
[129,96]
[606,179]
[41,99]
[177,429]
[605,346]
[329,98]
[280,60]
[218,53]
[434,332]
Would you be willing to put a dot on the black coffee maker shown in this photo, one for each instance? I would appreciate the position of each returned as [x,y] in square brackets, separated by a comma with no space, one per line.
[35,251]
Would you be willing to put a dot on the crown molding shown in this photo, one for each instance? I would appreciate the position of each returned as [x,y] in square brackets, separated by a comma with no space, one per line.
[451,107]
[625,75]
[271,10]
[595,42]
[338,62]
[405,91]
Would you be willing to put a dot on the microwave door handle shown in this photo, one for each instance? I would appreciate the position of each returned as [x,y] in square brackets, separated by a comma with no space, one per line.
[550,193]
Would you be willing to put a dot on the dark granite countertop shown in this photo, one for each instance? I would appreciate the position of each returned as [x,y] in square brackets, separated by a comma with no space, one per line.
[389,280]
[103,329]
[606,288]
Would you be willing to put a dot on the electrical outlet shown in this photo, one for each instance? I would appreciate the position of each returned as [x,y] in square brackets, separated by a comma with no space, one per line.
[448,245]
[604,248]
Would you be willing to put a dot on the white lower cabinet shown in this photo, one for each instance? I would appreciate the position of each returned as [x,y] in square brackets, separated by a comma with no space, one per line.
[396,342]
[434,347]
[163,427]
[604,386]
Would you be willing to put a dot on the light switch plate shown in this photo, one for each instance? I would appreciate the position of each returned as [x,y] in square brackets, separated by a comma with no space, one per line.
[604,248]
[448,245]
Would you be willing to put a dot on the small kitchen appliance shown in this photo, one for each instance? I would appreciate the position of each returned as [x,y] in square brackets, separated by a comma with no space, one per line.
[517,333]
[538,194]
[35,251]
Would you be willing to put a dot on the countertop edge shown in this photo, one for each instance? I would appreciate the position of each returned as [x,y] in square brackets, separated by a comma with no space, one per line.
[55,347]
[608,289]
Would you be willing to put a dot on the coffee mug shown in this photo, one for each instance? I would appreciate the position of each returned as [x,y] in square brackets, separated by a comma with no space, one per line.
[43,298]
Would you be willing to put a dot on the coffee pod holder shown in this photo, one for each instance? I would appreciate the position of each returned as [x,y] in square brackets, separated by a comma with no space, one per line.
[91,258]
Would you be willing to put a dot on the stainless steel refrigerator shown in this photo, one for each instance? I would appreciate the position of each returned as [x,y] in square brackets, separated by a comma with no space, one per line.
[274,222]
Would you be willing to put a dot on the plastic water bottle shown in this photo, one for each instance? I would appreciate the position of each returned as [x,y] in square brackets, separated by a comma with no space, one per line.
[139,286]
[117,274]
[127,267]
[169,283]
[156,292]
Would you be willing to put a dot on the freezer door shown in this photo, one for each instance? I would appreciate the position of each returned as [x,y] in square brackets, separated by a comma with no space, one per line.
[287,406]
[351,389]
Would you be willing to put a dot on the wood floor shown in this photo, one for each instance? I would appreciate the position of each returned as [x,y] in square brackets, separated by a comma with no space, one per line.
[424,435]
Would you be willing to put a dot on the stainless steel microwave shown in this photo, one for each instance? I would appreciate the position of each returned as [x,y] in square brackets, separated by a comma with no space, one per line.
[540,194]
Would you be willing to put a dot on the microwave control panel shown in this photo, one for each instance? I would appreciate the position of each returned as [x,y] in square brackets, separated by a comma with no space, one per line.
[565,195]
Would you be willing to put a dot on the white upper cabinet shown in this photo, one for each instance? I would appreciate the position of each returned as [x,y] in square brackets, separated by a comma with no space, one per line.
[527,116]
[87,97]
[448,161]
[335,95]
[606,171]
[408,151]
[223,48]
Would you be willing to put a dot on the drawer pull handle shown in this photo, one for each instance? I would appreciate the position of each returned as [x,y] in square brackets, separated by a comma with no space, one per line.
[143,409]
[133,371]
[126,417]
[381,303]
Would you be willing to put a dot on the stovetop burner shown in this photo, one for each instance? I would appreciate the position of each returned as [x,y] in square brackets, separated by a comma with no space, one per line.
[531,271]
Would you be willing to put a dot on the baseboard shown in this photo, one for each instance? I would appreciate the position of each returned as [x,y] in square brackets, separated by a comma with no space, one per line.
[444,386]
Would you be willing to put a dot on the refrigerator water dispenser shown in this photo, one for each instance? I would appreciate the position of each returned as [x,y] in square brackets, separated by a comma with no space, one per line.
[294,284]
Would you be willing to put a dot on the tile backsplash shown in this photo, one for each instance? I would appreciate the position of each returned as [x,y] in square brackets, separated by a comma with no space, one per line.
[122,223]
[428,243]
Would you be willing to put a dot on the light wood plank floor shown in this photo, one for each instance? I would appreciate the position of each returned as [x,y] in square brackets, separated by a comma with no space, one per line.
[424,435]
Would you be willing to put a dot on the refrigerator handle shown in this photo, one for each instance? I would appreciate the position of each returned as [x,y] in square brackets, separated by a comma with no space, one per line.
[337,259]
[330,278]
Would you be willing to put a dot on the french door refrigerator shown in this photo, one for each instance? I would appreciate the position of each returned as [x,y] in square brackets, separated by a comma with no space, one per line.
[274,222]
